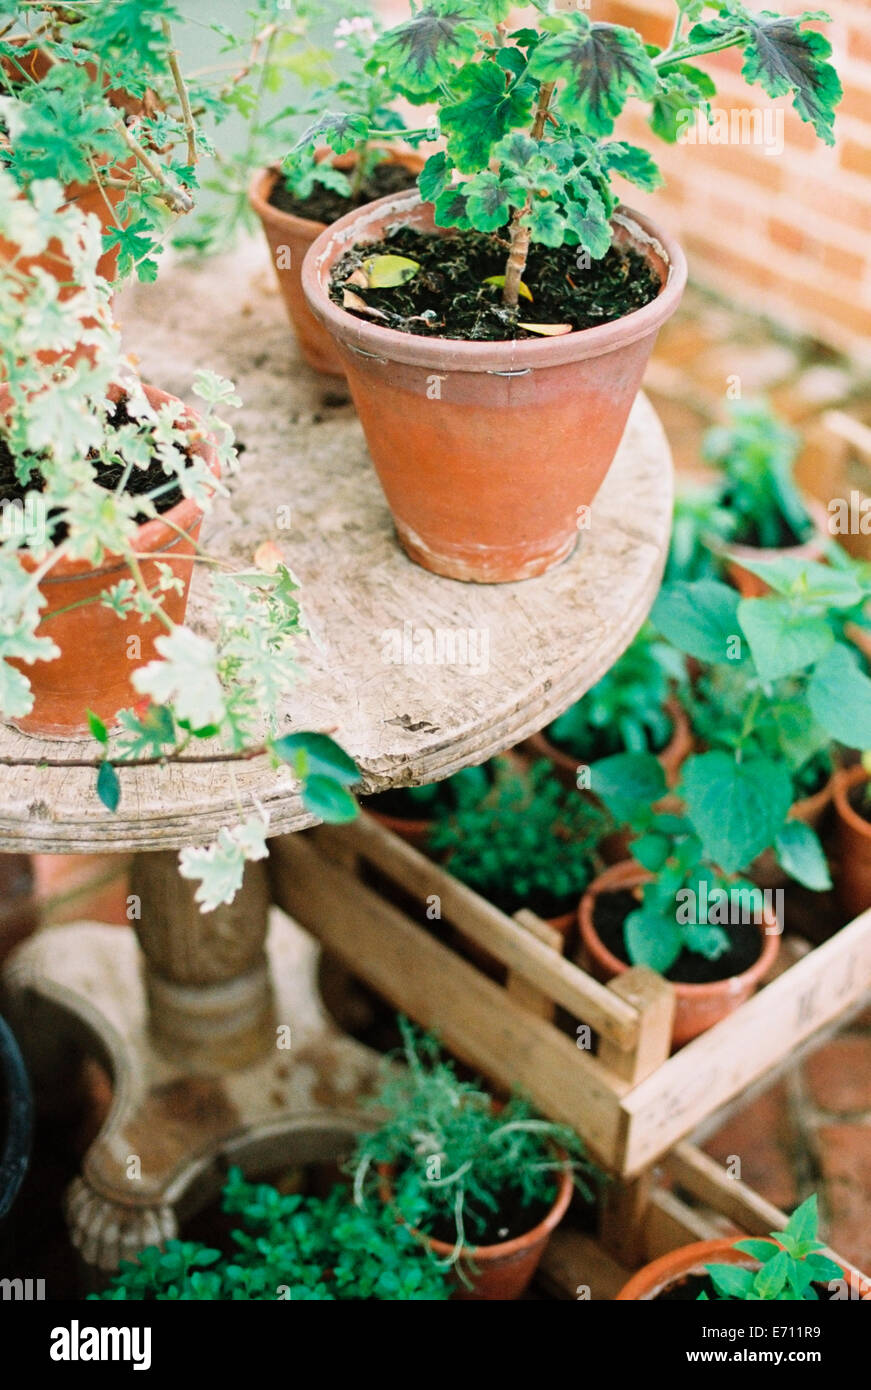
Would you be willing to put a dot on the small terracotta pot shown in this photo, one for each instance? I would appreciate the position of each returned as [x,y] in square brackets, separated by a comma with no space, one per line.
[289,239]
[503,1272]
[852,845]
[669,1269]
[697,1007]
[94,670]
[413,832]
[749,585]
[810,810]
[486,451]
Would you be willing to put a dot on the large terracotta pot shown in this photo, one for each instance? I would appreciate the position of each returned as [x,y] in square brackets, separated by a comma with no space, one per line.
[749,585]
[289,239]
[697,1007]
[669,1269]
[503,1272]
[852,845]
[94,669]
[487,451]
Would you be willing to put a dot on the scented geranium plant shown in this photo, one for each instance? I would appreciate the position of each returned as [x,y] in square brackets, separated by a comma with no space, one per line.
[89,473]
[528,114]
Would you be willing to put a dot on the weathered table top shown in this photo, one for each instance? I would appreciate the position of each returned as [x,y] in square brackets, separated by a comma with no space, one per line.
[534,647]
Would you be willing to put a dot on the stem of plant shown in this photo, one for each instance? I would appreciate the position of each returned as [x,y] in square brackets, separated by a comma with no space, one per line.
[521,234]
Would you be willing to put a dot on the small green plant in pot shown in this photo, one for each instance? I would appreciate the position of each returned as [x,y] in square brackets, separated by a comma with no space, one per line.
[758,508]
[482,1184]
[528,842]
[633,709]
[526,300]
[791,1267]
[297,1247]
[411,811]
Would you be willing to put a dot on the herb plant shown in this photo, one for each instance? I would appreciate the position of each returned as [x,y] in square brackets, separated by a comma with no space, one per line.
[302,1248]
[790,1264]
[528,113]
[627,708]
[528,843]
[465,788]
[73,461]
[759,503]
[457,1160]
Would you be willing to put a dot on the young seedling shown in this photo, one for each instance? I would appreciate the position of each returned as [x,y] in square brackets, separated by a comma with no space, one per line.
[790,1265]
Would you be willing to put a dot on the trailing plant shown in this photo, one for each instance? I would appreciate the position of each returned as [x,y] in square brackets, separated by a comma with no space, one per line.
[802,687]
[456,1160]
[528,842]
[302,1248]
[75,464]
[627,708]
[686,905]
[790,1264]
[528,113]
[758,502]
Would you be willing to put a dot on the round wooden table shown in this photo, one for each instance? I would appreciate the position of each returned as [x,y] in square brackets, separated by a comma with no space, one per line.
[223,1032]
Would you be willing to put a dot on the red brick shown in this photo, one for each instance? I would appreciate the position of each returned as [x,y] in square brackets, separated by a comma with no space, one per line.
[859,44]
[839,1075]
[82,887]
[856,157]
[763,1137]
[845,1159]
[857,101]
[786,234]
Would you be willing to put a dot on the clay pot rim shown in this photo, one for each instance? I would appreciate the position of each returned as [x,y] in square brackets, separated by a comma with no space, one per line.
[421,827]
[760,553]
[628,874]
[652,1278]
[816,803]
[845,779]
[264,180]
[680,726]
[457,354]
[153,536]
[483,1254]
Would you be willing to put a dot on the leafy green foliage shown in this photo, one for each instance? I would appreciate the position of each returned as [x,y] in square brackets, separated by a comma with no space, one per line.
[758,502]
[527,843]
[456,1160]
[790,1264]
[296,1247]
[627,709]
[600,66]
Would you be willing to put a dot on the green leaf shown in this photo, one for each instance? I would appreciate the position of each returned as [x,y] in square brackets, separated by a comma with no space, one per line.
[628,782]
[327,799]
[699,618]
[108,786]
[487,111]
[800,1236]
[651,850]
[97,727]
[782,643]
[451,209]
[761,1250]
[731,1281]
[386,272]
[488,202]
[633,163]
[546,223]
[800,853]
[424,52]
[680,90]
[772,1277]
[652,939]
[341,131]
[587,217]
[312,754]
[817,584]
[784,58]
[601,65]
[839,695]
[434,177]
[736,807]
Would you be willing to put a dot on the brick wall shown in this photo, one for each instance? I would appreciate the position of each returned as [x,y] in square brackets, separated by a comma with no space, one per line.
[788,234]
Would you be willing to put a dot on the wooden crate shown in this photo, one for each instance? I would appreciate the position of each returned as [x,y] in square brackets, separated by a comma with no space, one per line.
[629,1099]
[700,1202]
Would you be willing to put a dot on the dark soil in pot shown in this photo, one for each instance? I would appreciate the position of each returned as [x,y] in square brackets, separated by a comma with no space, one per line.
[787,537]
[860,801]
[510,1219]
[687,1290]
[447,297]
[140,481]
[326,205]
[612,909]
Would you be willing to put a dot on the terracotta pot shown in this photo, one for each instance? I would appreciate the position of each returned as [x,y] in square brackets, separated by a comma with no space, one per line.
[88,198]
[750,585]
[810,810]
[672,757]
[486,451]
[503,1272]
[94,670]
[697,1007]
[413,832]
[669,1269]
[289,239]
[852,845]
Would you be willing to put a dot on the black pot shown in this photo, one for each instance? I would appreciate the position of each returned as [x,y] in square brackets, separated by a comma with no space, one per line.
[16,1120]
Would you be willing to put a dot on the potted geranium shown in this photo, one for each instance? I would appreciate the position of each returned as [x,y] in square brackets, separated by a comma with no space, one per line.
[494,369]
[528,843]
[364,155]
[481,1185]
[788,1267]
[758,512]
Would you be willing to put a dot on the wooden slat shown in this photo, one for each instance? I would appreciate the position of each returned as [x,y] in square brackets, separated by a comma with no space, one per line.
[713,1068]
[575,1261]
[529,997]
[491,929]
[624,1216]
[424,979]
[654,998]
[670,1224]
